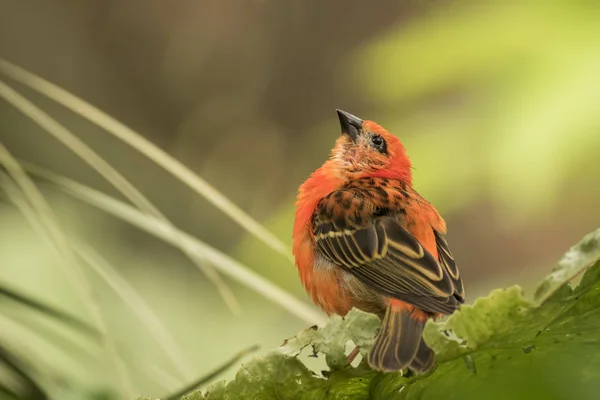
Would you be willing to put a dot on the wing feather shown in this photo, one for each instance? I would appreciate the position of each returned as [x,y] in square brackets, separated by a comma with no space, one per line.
[386,257]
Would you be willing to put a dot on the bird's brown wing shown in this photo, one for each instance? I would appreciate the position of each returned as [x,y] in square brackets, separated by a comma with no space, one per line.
[449,265]
[390,260]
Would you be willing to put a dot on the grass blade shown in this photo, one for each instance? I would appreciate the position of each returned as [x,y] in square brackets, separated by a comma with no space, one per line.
[50,352]
[88,155]
[30,389]
[130,297]
[23,185]
[177,238]
[138,142]
[62,316]
[40,215]
[76,348]
[135,302]
[207,378]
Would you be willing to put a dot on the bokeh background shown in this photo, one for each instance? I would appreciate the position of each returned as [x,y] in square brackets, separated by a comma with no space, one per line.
[496,102]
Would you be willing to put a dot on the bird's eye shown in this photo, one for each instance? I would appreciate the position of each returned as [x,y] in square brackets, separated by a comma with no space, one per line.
[378,142]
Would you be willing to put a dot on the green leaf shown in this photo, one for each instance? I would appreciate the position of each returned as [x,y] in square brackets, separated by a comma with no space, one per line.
[501,346]
[277,376]
[573,263]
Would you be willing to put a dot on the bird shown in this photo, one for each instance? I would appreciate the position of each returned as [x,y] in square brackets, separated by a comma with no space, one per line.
[364,238]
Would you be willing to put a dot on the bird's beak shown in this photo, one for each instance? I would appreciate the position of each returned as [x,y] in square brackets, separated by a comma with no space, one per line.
[351,125]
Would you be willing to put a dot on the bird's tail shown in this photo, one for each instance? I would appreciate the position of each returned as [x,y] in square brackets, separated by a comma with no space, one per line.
[399,343]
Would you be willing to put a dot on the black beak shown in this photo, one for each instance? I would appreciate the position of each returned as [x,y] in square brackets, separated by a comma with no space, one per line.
[351,125]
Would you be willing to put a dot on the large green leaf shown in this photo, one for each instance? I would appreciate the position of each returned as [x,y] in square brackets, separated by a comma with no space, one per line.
[501,346]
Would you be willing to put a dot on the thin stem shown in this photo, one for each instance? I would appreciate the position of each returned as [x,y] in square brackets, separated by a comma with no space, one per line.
[138,142]
[39,214]
[88,155]
[178,238]
[207,378]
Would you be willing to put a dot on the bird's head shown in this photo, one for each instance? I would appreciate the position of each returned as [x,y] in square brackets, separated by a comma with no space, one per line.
[366,149]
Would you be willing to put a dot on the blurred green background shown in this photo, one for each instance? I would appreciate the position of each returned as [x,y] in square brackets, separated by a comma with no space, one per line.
[496,102]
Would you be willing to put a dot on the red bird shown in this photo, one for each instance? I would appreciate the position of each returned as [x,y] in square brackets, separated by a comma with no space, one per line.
[364,238]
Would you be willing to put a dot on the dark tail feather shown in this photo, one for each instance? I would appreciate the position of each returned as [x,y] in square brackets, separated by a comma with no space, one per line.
[398,341]
[423,361]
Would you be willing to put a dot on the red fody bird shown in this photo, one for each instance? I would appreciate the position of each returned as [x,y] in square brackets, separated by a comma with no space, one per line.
[364,238]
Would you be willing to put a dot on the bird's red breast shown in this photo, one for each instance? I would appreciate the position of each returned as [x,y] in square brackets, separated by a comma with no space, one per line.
[324,287]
